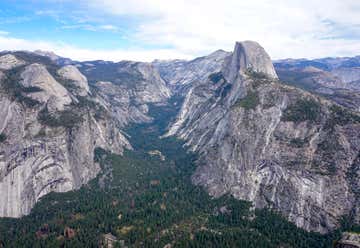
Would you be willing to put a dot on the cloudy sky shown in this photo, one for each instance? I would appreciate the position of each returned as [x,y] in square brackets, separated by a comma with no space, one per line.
[164,29]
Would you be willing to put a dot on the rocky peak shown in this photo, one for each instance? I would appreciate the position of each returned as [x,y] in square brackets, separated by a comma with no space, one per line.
[271,144]
[249,55]
[9,61]
[218,54]
[48,136]
[80,82]
[50,55]
[181,75]
[36,75]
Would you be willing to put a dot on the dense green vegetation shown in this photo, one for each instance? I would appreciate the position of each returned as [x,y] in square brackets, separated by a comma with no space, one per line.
[256,75]
[67,118]
[298,79]
[250,101]
[148,202]
[302,110]
[2,137]
[298,142]
[223,90]
[216,77]
[340,116]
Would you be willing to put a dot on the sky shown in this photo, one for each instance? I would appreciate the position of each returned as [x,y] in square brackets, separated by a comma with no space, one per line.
[145,30]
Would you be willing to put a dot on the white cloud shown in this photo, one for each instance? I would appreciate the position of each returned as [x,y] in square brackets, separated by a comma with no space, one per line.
[190,28]
[108,27]
[2,32]
[91,27]
[76,53]
[286,28]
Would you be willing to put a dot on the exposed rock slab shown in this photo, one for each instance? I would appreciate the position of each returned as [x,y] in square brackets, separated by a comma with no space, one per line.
[250,148]
[181,74]
[9,61]
[79,81]
[36,75]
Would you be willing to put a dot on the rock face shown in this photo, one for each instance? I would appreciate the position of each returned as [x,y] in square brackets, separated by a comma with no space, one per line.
[9,61]
[348,240]
[181,74]
[48,138]
[79,81]
[52,119]
[60,160]
[118,99]
[127,88]
[272,144]
[37,76]
[249,55]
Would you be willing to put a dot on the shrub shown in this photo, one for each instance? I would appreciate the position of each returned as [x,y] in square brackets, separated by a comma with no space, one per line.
[298,142]
[223,91]
[216,77]
[302,110]
[256,75]
[250,101]
[2,137]
[66,118]
[340,116]
[258,78]
[31,89]
[11,85]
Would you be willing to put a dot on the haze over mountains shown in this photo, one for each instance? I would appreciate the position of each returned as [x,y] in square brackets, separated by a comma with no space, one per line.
[283,136]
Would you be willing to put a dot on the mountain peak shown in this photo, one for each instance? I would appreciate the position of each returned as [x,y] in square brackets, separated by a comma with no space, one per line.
[250,55]
[48,54]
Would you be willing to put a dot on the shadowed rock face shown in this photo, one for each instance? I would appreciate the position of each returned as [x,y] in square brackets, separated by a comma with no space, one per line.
[272,144]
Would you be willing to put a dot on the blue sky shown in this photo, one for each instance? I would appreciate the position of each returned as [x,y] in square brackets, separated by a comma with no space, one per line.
[63,22]
[149,29]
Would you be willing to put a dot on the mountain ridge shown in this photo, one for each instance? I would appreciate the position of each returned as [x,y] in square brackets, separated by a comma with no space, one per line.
[256,136]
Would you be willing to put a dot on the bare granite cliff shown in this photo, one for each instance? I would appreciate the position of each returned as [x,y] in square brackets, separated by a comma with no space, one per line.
[180,75]
[53,117]
[127,88]
[274,145]
[48,135]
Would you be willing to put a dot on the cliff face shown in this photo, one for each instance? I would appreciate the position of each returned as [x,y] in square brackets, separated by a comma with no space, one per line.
[180,75]
[126,88]
[272,144]
[248,55]
[52,120]
[37,159]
